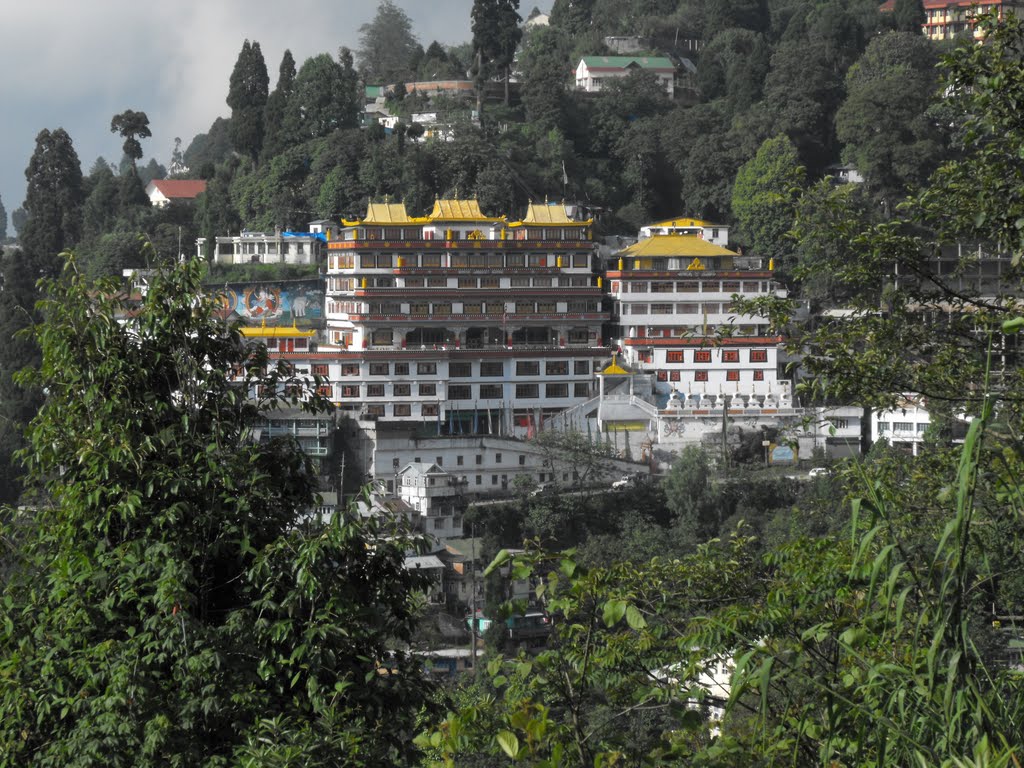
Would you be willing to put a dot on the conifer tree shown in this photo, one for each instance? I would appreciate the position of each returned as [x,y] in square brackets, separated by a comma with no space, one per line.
[277,106]
[247,97]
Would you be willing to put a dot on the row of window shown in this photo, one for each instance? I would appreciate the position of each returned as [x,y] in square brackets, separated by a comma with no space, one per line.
[726,355]
[453,233]
[691,286]
[712,308]
[703,375]
[466,391]
[464,369]
[902,426]
[458,260]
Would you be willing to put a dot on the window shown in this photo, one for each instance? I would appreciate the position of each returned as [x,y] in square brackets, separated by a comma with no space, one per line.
[556,390]
[490,282]
[494,479]
[758,375]
[479,479]
[491,392]
[375,390]
[379,369]
[460,392]
[759,355]
[427,409]
[439,460]
[730,355]
[730,286]
[662,375]
[428,390]
[325,390]
[883,426]
[479,459]
[492,369]
[556,368]
[702,356]
[460,370]
[375,410]
[458,461]
[403,409]
[522,460]
[700,375]
[527,391]
[581,367]
[403,390]
[527,368]
[673,376]
[581,390]
[732,375]
[382,338]
[350,390]
[674,356]
[350,369]
[426,369]
[497,458]
[845,424]
[321,370]
[401,369]
[902,426]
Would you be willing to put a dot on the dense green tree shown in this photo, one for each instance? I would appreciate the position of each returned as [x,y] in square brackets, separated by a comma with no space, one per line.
[387,46]
[19,218]
[211,147]
[764,197]
[324,99]
[131,126]
[733,66]
[885,121]
[100,211]
[53,200]
[909,16]
[545,77]
[216,214]
[247,97]
[150,171]
[17,404]
[175,604]
[496,35]
[277,106]
[3,221]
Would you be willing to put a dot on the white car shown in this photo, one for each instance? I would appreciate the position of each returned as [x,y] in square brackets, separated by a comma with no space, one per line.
[624,482]
[818,472]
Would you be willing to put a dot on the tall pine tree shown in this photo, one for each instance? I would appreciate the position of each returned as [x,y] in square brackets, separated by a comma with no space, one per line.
[496,34]
[274,138]
[247,97]
[53,200]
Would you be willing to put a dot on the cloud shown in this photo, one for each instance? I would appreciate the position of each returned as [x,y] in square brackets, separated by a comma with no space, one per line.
[75,65]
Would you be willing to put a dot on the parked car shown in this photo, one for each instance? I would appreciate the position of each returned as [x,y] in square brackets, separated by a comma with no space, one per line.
[818,472]
[542,488]
[624,482]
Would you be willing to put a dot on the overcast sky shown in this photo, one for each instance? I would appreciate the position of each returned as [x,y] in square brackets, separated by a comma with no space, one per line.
[74,64]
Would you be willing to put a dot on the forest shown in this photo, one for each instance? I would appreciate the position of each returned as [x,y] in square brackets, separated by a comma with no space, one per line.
[165,604]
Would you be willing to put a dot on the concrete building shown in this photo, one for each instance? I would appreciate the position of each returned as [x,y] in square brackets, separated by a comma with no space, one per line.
[594,72]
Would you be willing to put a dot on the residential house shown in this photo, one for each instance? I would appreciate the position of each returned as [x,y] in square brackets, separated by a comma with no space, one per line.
[163,192]
[594,72]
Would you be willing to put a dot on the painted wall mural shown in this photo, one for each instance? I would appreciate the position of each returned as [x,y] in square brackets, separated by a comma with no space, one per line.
[296,302]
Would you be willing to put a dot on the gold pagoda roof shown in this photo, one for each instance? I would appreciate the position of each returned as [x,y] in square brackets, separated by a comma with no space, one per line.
[274,332]
[615,369]
[539,213]
[675,245]
[458,210]
[386,213]
[682,221]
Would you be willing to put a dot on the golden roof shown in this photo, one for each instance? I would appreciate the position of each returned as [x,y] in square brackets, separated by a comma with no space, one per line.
[550,214]
[615,369]
[681,222]
[386,213]
[274,332]
[676,245]
[457,210]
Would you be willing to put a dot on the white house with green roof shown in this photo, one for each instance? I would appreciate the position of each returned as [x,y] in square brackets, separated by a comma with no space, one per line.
[593,71]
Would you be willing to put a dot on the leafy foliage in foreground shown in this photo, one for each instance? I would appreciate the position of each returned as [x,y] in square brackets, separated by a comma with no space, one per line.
[165,602]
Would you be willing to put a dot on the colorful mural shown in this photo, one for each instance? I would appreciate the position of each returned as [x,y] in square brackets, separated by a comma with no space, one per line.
[299,303]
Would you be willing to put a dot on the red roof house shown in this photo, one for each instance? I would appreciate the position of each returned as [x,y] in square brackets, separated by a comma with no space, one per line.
[162,192]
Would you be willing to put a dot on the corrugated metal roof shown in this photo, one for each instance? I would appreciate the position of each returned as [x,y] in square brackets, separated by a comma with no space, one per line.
[621,62]
[386,213]
[458,210]
[676,245]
